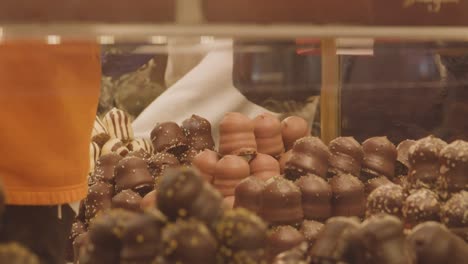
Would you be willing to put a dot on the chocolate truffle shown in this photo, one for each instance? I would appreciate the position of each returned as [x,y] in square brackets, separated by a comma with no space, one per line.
[379,158]
[205,162]
[267,128]
[345,156]
[94,153]
[423,158]
[105,168]
[454,213]
[242,236]
[141,144]
[99,198]
[421,206]
[128,200]
[264,167]
[283,238]
[335,242]
[292,129]
[402,163]
[284,159]
[374,183]
[149,200]
[184,194]
[169,137]
[310,230]
[383,240]
[189,242]
[348,196]
[141,239]
[316,197]
[236,135]
[99,133]
[282,203]
[132,173]
[118,125]
[386,199]
[309,156]
[454,166]
[161,161]
[197,130]
[229,171]
[114,145]
[14,253]
[433,243]
[248,194]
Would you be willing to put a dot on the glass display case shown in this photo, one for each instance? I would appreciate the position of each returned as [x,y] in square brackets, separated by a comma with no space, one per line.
[342,130]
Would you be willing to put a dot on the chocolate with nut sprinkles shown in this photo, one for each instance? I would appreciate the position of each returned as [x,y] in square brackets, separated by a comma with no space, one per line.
[386,199]
[128,200]
[348,196]
[421,206]
[197,130]
[248,194]
[454,166]
[454,214]
[283,238]
[402,163]
[379,158]
[346,156]
[105,168]
[132,173]
[169,137]
[160,161]
[374,183]
[78,228]
[309,156]
[99,198]
[188,242]
[316,197]
[310,230]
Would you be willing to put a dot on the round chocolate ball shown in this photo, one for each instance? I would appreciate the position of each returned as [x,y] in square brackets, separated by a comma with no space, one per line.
[128,200]
[386,199]
[421,206]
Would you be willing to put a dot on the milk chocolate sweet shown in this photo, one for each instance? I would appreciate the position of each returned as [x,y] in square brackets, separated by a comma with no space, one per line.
[99,135]
[99,199]
[433,243]
[94,153]
[188,156]
[309,156]
[335,242]
[422,205]
[283,238]
[283,159]
[184,194]
[114,145]
[105,167]
[236,135]
[374,183]
[292,129]
[189,242]
[454,214]
[282,204]
[383,240]
[141,144]
[267,128]
[454,166]
[316,197]
[386,199]
[169,137]
[379,158]
[348,196]
[229,171]
[345,156]
[248,194]
[242,236]
[296,255]
[14,253]
[128,200]
[149,200]
[205,162]
[118,125]
[423,158]
[402,163]
[264,167]
[132,173]
[161,161]
[197,130]
[310,230]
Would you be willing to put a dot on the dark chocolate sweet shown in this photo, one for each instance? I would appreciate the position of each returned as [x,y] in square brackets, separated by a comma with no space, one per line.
[310,230]
[229,171]
[197,130]
[79,248]
[402,163]
[348,196]
[423,158]
[105,167]
[421,206]
[242,236]
[282,202]
[283,238]
[345,156]
[128,200]
[236,135]
[184,194]
[160,161]
[379,158]
[189,242]
[374,183]
[309,156]
[169,137]
[132,173]
[267,129]
[454,166]
[264,167]
[248,194]
[142,154]
[433,243]
[78,228]
[205,162]
[386,199]
[292,129]
[14,253]
[187,157]
[99,198]
[316,197]
[454,214]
